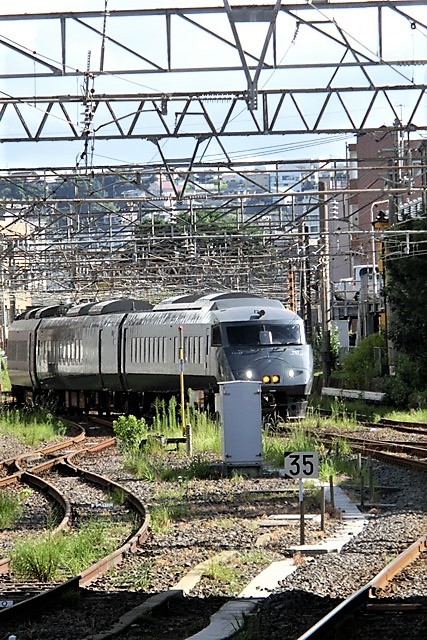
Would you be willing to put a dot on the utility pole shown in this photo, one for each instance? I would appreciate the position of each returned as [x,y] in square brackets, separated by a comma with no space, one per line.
[325,286]
[306,284]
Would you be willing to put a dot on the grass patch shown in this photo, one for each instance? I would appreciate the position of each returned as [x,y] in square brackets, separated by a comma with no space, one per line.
[205,431]
[11,509]
[342,416]
[58,556]
[31,427]
[255,556]
[38,559]
[170,505]
[275,448]
[224,574]
[417,415]
[117,495]
[161,519]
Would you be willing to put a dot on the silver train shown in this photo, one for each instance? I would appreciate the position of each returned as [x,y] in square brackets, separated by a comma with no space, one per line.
[120,355]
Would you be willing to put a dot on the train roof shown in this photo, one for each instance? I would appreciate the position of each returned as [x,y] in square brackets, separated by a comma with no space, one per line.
[214,301]
[203,302]
[120,305]
[51,311]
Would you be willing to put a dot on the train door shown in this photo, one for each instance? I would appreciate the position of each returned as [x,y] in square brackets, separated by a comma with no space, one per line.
[32,358]
[110,365]
[32,355]
[207,339]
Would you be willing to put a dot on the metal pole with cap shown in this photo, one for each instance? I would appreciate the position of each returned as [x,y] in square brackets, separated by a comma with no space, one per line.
[181,376]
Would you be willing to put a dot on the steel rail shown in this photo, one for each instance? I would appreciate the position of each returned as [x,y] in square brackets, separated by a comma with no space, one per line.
[14,461]
[324,627]
[103,564]
[386,450]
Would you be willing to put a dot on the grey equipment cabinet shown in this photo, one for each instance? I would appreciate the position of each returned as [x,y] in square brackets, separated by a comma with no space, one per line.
[239,406]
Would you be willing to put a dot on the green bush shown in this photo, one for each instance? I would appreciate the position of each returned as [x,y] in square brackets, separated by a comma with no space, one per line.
[130,431]
[361,365]
[407,387]
[4,375]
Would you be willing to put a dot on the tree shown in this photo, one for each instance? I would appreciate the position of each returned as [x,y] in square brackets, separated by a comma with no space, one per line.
[406,292]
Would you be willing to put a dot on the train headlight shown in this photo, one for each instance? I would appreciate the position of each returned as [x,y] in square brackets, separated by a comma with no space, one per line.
[273,379]
[293,373]
[249,374]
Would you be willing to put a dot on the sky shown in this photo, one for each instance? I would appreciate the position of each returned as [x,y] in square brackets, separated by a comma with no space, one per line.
[190,48]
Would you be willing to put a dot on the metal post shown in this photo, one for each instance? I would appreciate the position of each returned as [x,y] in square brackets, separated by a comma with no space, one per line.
[301,513]
[322,508]
[370,479]
[189,440]
[4,319]
[331,491]
[362,481]
[181,376]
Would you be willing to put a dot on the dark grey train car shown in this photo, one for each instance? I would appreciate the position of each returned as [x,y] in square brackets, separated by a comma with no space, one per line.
[150,343]
[121,355]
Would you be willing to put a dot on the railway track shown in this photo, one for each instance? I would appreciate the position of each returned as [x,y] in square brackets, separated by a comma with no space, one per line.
[418,428]
[372,598]
[50,470]
[383,441]
[202,536]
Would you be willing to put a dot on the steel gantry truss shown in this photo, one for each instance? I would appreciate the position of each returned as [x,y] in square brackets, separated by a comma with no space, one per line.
[74,235]
[278,59]
[189,85]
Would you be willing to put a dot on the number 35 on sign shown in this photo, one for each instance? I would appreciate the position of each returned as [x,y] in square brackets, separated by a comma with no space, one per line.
[302,464]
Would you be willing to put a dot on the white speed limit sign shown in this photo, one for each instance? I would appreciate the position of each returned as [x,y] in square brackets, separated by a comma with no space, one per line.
[302,464]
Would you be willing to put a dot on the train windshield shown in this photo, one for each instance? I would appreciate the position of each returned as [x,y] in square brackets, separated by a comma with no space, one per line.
[263,334]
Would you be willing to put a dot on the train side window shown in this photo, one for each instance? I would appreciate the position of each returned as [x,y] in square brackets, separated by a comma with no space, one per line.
[216,336]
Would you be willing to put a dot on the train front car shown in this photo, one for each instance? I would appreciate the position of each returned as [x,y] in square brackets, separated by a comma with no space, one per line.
[264,341]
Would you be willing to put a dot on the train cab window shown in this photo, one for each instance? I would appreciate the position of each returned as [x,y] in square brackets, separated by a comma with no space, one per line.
[216,340]
[243,334]
[286,334]
[263,334]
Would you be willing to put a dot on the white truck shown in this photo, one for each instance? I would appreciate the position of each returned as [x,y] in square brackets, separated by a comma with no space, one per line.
[349,289]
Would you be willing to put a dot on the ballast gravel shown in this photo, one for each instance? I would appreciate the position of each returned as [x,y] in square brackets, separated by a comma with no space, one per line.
[225,514]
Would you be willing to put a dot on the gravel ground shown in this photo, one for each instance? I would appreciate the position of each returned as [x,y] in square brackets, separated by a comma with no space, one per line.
[226,514]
